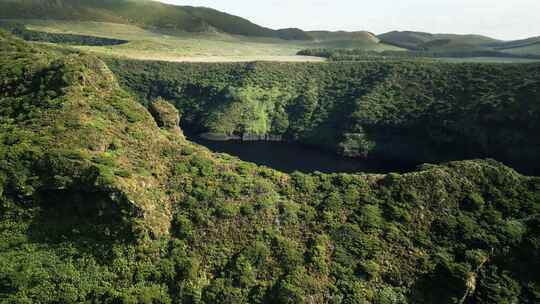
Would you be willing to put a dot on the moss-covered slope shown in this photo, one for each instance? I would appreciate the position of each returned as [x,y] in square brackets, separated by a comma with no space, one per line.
[98,204]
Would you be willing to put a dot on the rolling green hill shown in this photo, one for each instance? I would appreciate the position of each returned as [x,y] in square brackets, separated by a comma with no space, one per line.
[435,42]
[325,36]
[104,201]
[406,39]
[349,40]
[420,41]
[144,13]
[517,43]
[151,45]
[207,24]
[177,20]
[533,48]
[521,47]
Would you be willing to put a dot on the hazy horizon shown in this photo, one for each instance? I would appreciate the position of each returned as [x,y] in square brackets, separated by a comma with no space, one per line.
[498,19]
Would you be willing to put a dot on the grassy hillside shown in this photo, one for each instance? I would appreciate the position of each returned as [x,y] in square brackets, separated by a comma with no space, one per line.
[401,110]
[524,50]
[99,204]
[419,41]
[432,42]
[188,27]
[148,14]
[346,40]
[518,43]
[405,39]
[176,33]
[145,44]
[341,35]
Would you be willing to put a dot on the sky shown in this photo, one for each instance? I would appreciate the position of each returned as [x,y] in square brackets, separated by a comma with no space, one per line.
[502,19]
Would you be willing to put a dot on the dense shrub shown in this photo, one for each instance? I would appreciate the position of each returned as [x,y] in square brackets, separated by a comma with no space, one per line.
[363,55]
[407,112]
[196,227]
[29,35]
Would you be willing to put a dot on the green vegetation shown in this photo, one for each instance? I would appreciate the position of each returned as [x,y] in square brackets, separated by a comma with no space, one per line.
[519,43]
[143,13]
[21,31]
[98,204]
[346,40]
[435,42]
[409,111]
[450,43]
[158,31]
[524,50]
[147,44]
[467,44]
[363,55]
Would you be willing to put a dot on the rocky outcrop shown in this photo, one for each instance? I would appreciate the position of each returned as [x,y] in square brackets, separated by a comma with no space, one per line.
[166,116]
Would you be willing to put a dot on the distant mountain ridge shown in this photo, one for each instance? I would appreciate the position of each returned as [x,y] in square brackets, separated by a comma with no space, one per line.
[154,15]
[422,41]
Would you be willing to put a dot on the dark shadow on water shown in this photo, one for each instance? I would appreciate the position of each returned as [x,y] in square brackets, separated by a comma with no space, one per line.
[290,157]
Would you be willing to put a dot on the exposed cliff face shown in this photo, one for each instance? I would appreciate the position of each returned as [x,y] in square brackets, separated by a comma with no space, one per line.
[100,204]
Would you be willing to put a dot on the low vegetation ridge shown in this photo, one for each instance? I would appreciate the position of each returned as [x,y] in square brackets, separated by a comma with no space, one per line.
[20,30]
[104,201]
[363,55]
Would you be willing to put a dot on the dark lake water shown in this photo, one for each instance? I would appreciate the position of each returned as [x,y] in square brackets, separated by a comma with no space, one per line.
[290,157]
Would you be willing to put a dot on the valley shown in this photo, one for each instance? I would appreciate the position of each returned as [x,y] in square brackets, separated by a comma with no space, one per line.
[399,168]
[292,157]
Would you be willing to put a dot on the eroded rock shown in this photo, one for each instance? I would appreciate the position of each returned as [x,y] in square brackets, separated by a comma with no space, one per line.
[166,115]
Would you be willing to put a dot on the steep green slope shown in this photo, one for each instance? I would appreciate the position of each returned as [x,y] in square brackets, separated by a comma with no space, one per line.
[413,111]
[145,13]
[103,202]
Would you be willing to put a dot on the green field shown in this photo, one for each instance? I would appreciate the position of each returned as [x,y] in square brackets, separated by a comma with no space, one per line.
[192,47]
